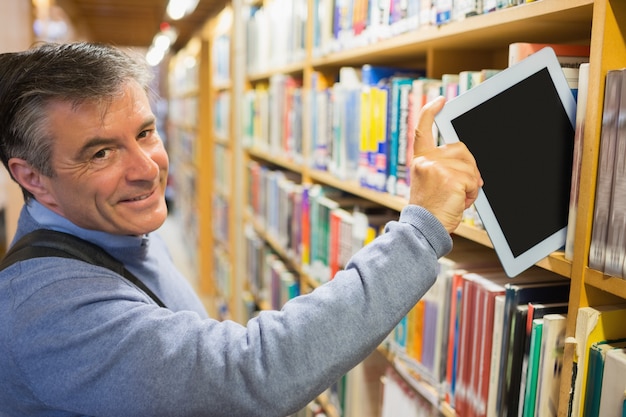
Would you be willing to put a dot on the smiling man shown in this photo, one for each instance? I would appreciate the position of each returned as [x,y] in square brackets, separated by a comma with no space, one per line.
[77,339]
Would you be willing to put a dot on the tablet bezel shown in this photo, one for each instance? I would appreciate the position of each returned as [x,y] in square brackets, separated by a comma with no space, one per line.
[499,83]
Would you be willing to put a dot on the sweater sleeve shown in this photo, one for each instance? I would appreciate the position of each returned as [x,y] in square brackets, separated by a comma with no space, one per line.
[108,352]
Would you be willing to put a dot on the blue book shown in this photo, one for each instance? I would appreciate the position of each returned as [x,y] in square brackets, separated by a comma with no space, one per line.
[395,120]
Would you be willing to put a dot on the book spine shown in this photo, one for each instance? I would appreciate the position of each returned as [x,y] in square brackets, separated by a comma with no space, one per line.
[402,185]
[381,138]
[604,180]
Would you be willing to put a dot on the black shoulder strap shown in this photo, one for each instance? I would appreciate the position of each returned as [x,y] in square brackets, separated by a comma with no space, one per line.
[51,243]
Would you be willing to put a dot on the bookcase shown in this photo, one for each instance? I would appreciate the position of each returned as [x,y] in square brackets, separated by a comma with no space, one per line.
[274,48]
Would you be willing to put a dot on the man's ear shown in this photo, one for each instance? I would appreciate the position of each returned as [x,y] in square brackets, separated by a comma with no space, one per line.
[31,180]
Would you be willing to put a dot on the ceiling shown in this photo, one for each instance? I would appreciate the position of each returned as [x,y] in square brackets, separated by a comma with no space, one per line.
[134,22]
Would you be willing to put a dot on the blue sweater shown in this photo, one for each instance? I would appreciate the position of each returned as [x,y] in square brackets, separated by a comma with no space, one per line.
[77,339]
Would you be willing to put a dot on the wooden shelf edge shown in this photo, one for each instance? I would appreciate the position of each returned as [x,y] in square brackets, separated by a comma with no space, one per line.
[613,285]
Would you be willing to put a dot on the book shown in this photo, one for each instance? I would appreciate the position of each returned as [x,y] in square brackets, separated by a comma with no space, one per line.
[380,112]
[465,355]
[320,108]
[346,101]
[581,111]
[535,311]
[613,399]
[604,180]
[513,358]
[567,54]
[615,254]
[415,332]
[597,356]
[530,391]
[340,239]
[551,363]
[365,134]
[403,168]
[496,349]
[593,324]
[399,88]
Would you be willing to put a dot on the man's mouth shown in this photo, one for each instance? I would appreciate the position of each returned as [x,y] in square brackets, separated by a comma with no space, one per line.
[141,197]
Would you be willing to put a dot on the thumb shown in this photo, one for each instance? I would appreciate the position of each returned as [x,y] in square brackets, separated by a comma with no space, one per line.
[424,140]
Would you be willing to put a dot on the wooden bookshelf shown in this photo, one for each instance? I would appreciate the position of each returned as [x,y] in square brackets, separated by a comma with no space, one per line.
[474,42]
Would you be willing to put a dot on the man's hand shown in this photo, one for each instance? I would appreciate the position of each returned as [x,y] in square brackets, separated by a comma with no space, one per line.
[444,179]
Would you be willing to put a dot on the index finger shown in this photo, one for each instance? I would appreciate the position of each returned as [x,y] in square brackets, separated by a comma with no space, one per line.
[424,140]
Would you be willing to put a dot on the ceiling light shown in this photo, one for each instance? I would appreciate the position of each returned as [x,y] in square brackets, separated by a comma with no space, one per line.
[177,9]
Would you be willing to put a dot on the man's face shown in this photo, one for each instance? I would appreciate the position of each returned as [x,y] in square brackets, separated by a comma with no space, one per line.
[111,167]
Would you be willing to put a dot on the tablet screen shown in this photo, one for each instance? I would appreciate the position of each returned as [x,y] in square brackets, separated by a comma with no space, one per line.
[522,140]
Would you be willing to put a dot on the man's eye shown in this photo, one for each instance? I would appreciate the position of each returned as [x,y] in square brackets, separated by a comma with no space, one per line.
[102,153]
[144,133]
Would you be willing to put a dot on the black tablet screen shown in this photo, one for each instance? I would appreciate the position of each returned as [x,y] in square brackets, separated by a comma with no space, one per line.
[523,141]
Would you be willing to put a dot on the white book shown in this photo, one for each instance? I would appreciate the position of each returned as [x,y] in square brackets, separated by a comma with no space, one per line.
[496,348]
[613,384]
[550,365]
[581,111]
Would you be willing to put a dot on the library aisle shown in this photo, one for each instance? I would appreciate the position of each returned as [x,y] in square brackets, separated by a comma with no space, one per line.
[172,232]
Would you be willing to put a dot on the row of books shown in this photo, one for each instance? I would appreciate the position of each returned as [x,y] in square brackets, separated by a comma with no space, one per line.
[362,125]
[471,338]
[345,24]
[608,240]
[275,34]
[276,31]
[319,227]
[270,280]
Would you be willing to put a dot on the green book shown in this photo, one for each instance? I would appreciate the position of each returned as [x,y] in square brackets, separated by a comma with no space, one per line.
[595,373]
[530,395]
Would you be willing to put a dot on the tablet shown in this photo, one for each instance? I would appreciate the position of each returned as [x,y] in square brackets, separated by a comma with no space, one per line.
[519,125]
